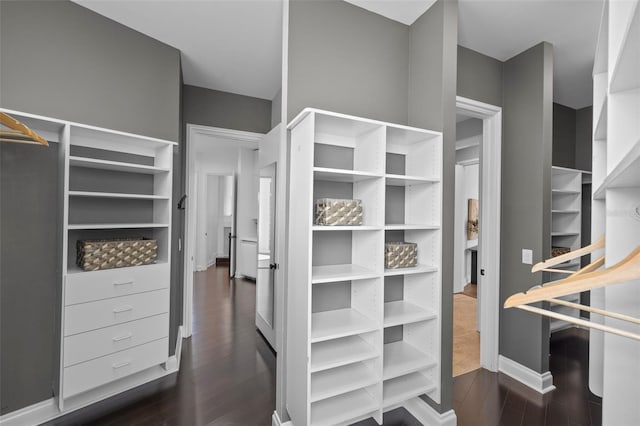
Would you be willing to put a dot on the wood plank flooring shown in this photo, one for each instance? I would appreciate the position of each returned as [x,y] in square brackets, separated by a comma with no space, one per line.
[227,378]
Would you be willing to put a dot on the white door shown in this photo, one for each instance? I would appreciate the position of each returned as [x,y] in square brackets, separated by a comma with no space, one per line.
[270,233]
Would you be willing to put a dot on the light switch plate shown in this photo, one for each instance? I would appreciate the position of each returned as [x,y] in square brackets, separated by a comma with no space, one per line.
[527,256]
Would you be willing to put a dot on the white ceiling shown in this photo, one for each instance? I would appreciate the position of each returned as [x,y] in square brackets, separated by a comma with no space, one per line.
[229,45]
[235,45]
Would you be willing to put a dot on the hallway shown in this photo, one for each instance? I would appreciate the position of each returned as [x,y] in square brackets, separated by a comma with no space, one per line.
[227,371]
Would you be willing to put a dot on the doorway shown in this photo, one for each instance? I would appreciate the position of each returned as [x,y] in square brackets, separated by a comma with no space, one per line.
[488,227]
[466,333]
[220,173]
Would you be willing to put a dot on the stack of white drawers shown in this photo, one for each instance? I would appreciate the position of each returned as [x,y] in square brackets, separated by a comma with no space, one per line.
[116,323]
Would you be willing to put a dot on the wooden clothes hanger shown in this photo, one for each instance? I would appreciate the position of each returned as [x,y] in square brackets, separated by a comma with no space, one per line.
[15,131]
[587,278]
[627,269]
[541,266]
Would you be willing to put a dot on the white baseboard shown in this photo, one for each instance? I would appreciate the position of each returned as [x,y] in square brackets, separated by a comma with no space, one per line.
[32,415]
[173,363]
[48,410]
[541,383]
[427,415]
[275,420]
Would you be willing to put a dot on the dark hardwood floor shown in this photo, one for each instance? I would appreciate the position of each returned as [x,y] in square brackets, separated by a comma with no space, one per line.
[227,378]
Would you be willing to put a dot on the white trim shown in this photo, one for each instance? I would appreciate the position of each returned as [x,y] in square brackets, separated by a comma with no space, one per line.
[428,416]
[31,415]
[48,410]
[489,241]
[173,363]
[541,383]
[275,420]
[241,139]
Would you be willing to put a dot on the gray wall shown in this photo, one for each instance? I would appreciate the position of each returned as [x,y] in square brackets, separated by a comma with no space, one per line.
[226,110]
[276,109]
[564,136]
[61,60]
[344,58]
[433,41]
[526,185]
[584,124]
[479,77]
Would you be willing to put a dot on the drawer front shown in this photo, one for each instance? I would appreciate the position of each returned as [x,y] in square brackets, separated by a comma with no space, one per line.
[84,287]
[99,371]
[94,344]
[104,313]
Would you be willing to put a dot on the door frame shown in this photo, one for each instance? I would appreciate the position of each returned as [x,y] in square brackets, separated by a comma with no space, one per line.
[220,137]
[489,242]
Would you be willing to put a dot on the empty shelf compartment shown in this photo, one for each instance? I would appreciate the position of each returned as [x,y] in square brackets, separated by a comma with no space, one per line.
[339,352]
[402,312]
[342,408]
[401,358]
[405,387]
[336,381]
[339,323]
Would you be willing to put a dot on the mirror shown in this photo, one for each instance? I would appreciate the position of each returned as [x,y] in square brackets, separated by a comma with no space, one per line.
[266,243]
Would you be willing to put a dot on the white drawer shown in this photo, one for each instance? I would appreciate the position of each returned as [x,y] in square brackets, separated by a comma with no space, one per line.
[97,285]
[104,313]
[91,374]
[94,344]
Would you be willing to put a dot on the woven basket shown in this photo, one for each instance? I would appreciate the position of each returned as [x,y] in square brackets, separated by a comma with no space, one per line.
[334,211]
[400,255]
[557,251]
[94,255]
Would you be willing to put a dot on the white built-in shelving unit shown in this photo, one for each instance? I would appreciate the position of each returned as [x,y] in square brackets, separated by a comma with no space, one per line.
[614,366]
[114,323]
[566,229]
[362,339]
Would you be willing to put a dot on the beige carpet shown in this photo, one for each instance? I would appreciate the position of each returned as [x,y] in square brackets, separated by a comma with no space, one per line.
[466,340]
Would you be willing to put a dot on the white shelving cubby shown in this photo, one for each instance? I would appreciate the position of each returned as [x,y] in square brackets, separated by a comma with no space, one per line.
[362,338]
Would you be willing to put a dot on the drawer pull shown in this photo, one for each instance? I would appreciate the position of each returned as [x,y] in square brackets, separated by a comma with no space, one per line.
[120,365]
[123,283]
[123,309]
[123,337]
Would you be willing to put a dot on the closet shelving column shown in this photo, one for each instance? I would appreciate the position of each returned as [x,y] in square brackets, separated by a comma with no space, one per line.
[616,198]
[413,295]
[566,226]
[339,369]
[115,322]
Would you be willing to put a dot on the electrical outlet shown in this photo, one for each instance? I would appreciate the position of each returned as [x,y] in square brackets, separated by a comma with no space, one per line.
[527,256]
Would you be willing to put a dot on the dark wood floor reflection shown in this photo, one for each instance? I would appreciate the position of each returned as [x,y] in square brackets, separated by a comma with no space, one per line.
[227,378]
[227,371]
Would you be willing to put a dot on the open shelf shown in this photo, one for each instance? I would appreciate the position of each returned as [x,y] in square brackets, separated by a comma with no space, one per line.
[339,380]
[564,192]
[402,180]
[624,74]
[322,228]
[117,225]
[418,269]
[405,387]
[409,227]
[402,312]
[339,352]
[342,408]
[335,273]
[625,174]
[118,166]
[92,194]
[401,358]
[339,323]
[342,175]
[564,234]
